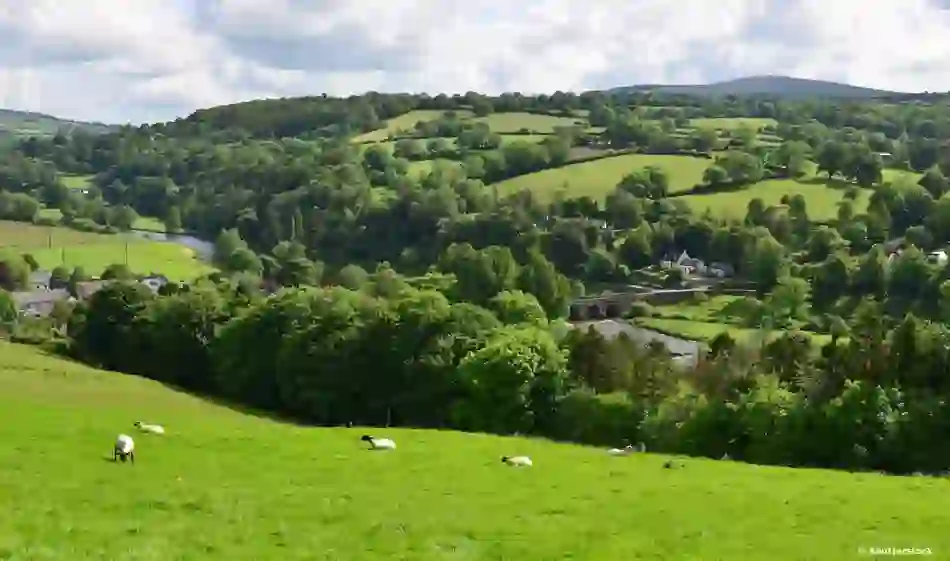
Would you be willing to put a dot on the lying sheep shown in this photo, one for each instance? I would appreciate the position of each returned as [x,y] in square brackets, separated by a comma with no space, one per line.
[154,429]
[379,443]
[124,448]
[517,461]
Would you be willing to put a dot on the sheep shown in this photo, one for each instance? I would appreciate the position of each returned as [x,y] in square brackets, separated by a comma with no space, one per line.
[628,449]
[124,448]
[154,429]
[518,461]
[379,443]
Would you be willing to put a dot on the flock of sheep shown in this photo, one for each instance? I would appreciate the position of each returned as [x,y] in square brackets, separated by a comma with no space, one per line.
[125,447]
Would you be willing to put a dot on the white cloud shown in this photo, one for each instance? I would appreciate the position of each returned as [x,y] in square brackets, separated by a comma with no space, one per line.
[116,60]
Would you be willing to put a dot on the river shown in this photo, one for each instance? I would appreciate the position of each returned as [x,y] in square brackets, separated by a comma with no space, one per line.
[683,350]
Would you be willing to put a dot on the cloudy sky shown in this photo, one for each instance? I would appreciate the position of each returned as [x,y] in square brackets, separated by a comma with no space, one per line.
[148,60]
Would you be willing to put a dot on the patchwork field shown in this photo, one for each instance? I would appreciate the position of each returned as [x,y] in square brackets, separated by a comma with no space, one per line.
[62,246]
[514,122]
[76,181]
[598,178]
[726,123]
[703,321]
[227,486]
[821,200]
[404,121]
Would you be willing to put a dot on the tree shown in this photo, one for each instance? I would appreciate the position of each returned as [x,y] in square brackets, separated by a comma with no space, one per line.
[173,220]
[118,271]
[105,328]
[8,307]
[935,182]
[515,306]
[832,158]
[789,299]
[123,217]
[14,271]
[513,382]
[715,175]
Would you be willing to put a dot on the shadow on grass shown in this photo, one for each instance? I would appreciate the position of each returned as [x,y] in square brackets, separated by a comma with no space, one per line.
[832,183]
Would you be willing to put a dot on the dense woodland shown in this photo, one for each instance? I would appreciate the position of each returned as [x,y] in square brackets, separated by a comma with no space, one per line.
[433,301]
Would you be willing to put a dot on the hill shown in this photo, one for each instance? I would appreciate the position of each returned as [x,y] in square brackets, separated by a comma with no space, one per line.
[27,123]
[226,485]
[780,86]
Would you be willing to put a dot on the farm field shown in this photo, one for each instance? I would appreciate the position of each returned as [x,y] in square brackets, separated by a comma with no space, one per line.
[821,200]
[76,181]
[704,320]
[404,121]
[705,331]
[94,252]
[513,122]
[732,123]
[228,486]
[598,178]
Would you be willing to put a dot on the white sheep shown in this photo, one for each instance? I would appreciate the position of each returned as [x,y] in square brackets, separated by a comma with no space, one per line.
[124,448]
[379,443]
[518,461]
[628,449]
[154,429]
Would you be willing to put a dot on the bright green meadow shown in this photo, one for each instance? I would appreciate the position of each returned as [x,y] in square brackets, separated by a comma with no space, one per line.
[599,178]
[222,485]
[94,252]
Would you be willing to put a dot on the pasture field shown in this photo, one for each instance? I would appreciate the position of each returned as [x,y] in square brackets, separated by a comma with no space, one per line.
[732,122]
[598,178]
[821,200]
[76,181]
[404,121]
[706,331]
[425,167]
[513,122]
[94,252]
[222,485]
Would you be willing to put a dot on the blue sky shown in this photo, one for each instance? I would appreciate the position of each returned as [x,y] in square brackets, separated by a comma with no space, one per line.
[148,60]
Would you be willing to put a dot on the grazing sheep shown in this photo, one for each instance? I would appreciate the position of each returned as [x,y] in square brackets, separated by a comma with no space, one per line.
[124,448]
[154,429]
[379,443]
[518,461]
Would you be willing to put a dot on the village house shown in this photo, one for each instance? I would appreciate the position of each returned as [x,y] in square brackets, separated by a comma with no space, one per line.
[40,279]
[693,266]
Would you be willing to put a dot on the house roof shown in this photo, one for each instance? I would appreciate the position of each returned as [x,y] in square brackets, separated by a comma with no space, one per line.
[40,276]
[86,289]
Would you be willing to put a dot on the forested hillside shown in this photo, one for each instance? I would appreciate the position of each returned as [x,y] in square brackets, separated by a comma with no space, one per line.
[429,248]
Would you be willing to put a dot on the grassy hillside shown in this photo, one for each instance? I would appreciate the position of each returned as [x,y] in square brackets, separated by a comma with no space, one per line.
[94,252]
[223,485]
[784,86]
[598,178]
[26,123]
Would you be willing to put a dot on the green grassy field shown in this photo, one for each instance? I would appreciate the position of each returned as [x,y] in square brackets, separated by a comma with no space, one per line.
[821,200]
[94,252]
[598,178]
[513,122]
[225,486]
[405,121]
[732,123]
[424,167]
[706,331]
[76,181]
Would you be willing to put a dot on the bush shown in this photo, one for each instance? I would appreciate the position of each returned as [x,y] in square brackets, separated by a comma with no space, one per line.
[641,310]
[605,419]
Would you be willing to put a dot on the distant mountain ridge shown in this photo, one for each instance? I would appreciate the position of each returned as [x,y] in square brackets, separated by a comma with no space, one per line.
[29,123]
[779,86]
